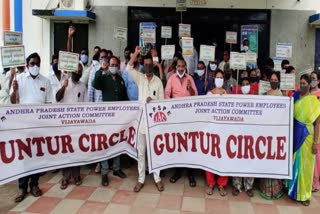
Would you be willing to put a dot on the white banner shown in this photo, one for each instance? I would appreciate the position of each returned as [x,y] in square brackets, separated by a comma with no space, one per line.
[264,86]
[187,46]
[12,56]
[287,81]
[120,33]
[284,49]
[68,61]
[12,38]
[246,136]
[231,37]
[207,52]
[38,138]
[166,32]
[184,30]
[167,51]
[238,60]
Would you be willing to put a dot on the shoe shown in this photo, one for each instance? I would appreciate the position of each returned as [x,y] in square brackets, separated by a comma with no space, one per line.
[78,181]
[98,168]
[21,195]
[35,191]
[64,184]
[104,180]
[138,187]
[192,181]
[119,173]
[250,193]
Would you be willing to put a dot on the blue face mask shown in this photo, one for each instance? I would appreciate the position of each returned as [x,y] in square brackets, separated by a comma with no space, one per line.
[84,58]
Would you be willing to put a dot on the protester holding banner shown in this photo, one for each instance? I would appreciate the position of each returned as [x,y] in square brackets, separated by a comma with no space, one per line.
[150,88]
[181,85]
[108,80]
[31,88]
[72,91]
[305,142]
[200,80]
[222,181]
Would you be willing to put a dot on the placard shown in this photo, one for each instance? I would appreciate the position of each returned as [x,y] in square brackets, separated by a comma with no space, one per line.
[264,86]
[120,33]
[181,5]
[167,51]
[13,56]
[166,32]
[198,2]
[251,57]
[147,34]
[231,37]
[68,61]
[207,53]
[284,49]
[184,30]
[187,46]
[277,63]
[238,60]
[249,37]
[287,81]
[12,38]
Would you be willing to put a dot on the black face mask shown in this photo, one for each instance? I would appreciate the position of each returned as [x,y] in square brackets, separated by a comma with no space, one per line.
[253,79]
[274,85]
[55,68]
[75,77]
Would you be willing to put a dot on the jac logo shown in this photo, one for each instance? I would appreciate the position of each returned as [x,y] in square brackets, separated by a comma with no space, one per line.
[159,114]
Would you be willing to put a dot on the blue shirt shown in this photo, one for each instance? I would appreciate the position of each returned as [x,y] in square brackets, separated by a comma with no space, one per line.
[132,88]
[200,84]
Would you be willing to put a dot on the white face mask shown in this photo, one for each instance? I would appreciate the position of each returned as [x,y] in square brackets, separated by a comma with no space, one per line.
[245,89]
[180,75]
[200,72]
[213,67]
[314,83]
[218,82]
[113,70]
[245,48]
[34,70]
[155,59]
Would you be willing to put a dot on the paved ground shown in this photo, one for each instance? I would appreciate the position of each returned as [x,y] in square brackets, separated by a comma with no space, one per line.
[119,198]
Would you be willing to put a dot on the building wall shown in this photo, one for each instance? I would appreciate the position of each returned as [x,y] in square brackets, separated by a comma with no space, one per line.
[292,26]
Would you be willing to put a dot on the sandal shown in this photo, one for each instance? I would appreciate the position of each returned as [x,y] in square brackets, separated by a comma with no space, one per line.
[250,193]
[209,190]
[77,181]
[174,178]
[36,191]
[138,187]
[235,192]
[64,184]
[305,203]
[222,191]
[20,196]
[192,181]
[159,186]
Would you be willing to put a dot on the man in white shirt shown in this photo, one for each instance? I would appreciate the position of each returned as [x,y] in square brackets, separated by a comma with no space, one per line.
[30,87]
[56,77]
[124,63]
[72,91]
[150,88]
[4,93]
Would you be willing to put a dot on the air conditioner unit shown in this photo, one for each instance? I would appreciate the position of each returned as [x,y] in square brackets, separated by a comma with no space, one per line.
[73,4]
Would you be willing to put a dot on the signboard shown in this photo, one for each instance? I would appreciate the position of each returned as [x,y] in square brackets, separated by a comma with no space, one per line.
[181,5]
[147,34]
[238,60]
[68,61]
[167,51]
[231,37]
[284,49]
[12,38]
[187,46]
[287,81]
[249,38]
[184,30]
[264,86]
[120,33]
[226,135]
[13,56]
[277,63]
[207,53]
[166,32]
[251,57]
[60,136]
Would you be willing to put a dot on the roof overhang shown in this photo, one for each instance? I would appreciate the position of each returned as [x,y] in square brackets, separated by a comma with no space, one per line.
[65,15]
[314,20]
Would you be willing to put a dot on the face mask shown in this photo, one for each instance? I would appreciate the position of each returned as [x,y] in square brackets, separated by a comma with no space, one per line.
[113,70]
[34,70]
[218,82]
[213,67]
[155,59]
[55,67]
[245,89]
[127,56]
[304,89]
[147,69]
[84,58]
[274,85]
[180,75]
[245,48]
[314,83]
[253,79]
[200,72]
[75,77]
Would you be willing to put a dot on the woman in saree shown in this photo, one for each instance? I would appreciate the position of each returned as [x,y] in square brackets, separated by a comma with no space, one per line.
[305,141]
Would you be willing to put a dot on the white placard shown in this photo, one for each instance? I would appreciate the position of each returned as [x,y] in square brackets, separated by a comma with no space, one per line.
[68,61]
[166,32]
[167,51]
[181,5]
[251,57]
[277,63]
[287,81]
[12,38]
[187,46]
[226,135]
[264,86]
[238,60]
[120,33]
[184,30]
[284,49]
[13,56]
[207,53]
[231,37]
